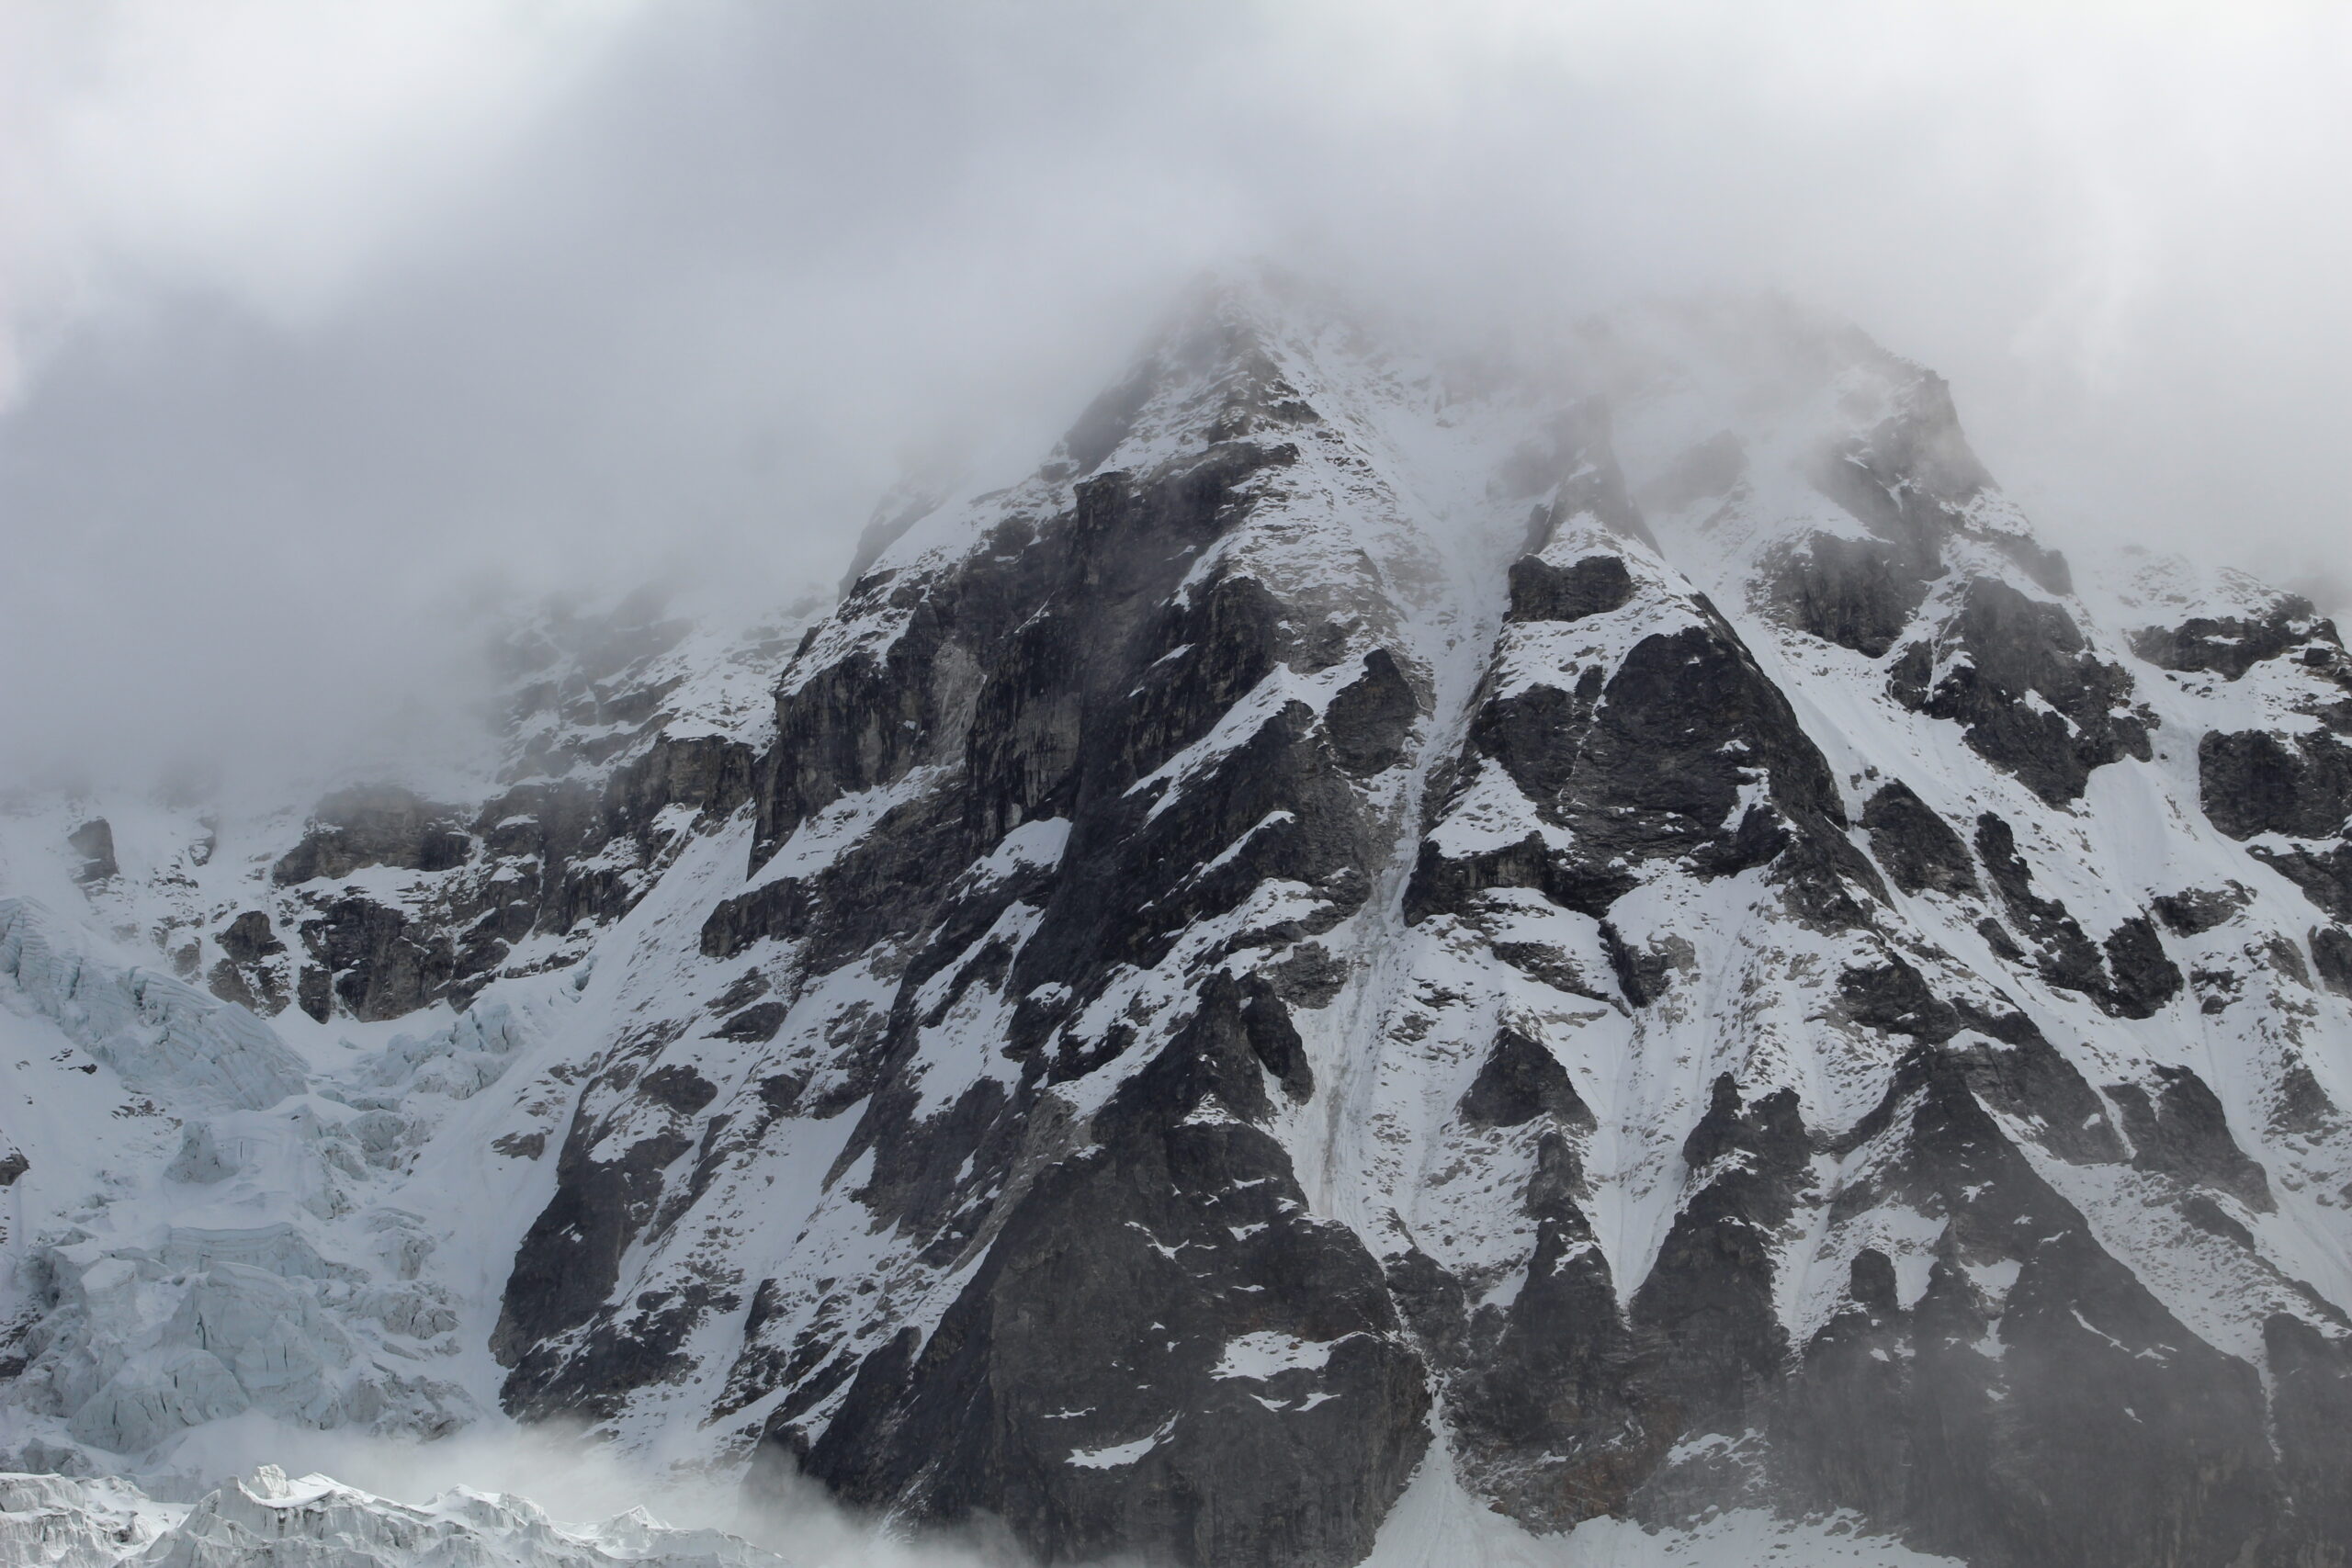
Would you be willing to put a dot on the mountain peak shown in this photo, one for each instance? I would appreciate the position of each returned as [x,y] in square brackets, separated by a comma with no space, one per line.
[1544,942]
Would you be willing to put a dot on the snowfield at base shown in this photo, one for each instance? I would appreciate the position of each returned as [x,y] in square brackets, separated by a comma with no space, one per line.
[267,1519]
[1436,1525]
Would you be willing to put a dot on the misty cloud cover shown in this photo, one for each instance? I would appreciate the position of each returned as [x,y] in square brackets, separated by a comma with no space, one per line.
[325,329]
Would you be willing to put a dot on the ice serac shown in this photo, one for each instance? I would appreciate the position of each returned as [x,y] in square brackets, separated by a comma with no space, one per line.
[312,1521]
[1601,943]
[164,1038]
[224,1207]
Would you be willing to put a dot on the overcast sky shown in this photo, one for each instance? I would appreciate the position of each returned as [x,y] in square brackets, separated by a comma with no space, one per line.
[321,326]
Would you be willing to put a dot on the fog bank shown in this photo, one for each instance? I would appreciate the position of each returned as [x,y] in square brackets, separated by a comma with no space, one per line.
[323,331]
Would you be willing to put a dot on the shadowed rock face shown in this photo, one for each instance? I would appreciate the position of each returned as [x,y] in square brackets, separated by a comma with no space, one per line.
[2332,956]
[2177,1126]
[383,963]
[1368,723]
[2194,910]
[1550,1411]
[1161,1347]
[1918,849]
[2128,973]
[1163,1308]
[2033,697]
[2230,645]
[379,825]
[2084,1425]
[2298,786]
[250,972]
[1707,1303]
[565,1270]
[2256,782]
[1849,592]
[1592,586]
[2312,1377]
[1911,480]
[1653,761]
[94,842]
[1521,1081]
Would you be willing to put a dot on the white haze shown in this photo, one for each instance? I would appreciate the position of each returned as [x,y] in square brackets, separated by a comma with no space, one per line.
[579,1482]
[321,327]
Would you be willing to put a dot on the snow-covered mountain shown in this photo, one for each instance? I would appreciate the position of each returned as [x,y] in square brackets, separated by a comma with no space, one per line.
[1386,953]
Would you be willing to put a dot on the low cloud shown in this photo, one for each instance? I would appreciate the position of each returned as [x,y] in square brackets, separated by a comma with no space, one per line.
[580,1483]
[326,327]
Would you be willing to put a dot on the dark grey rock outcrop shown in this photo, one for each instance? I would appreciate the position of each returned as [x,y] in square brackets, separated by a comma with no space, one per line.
[94,842]
[2034,697]
[2332,956]
[1920,850]
[2128,973]
[2298,786]
[2256,782]
[1593,586]
[2230,645]
[377,825]
[1651,763]
[2177,1126]
[2070,1420]
[1161,1347]
[1849,592]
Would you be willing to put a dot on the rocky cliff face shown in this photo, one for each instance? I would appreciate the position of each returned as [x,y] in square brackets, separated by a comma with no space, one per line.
[1608,939]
